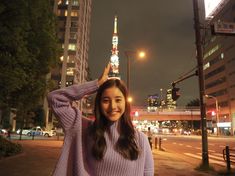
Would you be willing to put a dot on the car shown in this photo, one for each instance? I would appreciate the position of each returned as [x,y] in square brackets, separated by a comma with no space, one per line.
[48,133]
[187,133]
[3,131]
[25,131]
[35,131]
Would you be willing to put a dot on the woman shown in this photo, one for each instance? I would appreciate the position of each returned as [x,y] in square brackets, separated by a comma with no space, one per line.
[109,146]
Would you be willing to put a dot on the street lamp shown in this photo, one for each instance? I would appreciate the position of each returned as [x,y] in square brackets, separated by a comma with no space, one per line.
[129,99]
[217,111]
[135,54]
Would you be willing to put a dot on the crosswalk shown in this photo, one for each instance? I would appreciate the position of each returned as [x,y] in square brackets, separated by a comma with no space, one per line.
[215,158]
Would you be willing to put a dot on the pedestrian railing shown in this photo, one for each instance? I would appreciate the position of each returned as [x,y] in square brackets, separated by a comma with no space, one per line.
[229,156]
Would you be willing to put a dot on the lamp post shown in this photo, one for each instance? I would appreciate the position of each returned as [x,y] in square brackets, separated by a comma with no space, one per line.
[128,55]
[217,111]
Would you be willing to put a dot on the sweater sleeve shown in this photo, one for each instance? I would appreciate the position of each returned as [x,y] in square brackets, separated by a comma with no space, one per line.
[61,102]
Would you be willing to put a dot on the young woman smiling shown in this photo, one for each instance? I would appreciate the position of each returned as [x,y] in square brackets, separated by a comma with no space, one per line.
[107,146]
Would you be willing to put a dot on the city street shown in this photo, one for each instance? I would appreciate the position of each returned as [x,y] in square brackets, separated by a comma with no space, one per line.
[40,156]
[190,147]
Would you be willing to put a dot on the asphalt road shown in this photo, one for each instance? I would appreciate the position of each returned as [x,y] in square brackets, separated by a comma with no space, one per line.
[191,147]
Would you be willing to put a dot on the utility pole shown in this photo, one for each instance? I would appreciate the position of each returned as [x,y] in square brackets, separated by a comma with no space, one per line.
[205,158]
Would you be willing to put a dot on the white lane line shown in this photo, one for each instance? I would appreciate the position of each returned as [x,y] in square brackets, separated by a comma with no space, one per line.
[211,160]
[174,143]
[218,154]
[214,157]
[180,144]
[211,144]
[211,151]
[198,148]
[222,146]
[188,146]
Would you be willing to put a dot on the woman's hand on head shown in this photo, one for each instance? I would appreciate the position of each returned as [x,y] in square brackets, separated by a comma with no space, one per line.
[105,74]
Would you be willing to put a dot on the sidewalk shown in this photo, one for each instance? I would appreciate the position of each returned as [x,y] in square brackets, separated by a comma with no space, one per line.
[171,164]
[40,156]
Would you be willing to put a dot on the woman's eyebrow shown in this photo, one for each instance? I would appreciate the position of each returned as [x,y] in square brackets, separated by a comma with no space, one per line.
[119,97]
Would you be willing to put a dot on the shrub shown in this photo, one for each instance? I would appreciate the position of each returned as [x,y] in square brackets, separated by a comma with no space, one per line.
[8,148]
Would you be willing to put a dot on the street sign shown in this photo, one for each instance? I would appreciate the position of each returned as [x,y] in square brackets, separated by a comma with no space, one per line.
[225,28]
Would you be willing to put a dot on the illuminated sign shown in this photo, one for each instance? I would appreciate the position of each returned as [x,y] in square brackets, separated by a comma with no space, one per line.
[224,124]
[223,28]
[210,7]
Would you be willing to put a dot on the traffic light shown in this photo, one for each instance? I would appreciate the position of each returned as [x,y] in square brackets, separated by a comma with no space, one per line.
[175,93]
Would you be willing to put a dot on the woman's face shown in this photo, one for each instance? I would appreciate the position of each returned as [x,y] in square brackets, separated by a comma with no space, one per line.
[112,103]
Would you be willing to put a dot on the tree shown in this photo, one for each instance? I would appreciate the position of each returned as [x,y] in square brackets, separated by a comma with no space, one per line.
[195,102]
[28,49]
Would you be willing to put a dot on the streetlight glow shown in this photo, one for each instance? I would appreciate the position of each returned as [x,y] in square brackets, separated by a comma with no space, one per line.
[129,99]
[128,54]
[141,54]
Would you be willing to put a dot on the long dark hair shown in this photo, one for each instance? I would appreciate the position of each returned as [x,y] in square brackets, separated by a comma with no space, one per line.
[126,144]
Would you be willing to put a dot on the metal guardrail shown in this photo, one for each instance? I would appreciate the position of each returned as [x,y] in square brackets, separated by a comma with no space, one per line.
[229,156]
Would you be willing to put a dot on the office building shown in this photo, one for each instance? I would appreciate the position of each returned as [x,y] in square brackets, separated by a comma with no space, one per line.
[219,67]
[73,31]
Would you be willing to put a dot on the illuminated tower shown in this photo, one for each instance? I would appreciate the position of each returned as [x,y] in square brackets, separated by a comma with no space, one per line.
[114,59]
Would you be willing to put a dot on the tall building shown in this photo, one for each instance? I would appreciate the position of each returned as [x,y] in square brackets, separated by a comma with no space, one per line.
[73,32]
[219,67]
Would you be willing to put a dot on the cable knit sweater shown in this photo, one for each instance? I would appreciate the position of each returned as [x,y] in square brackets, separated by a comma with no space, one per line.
[76,158]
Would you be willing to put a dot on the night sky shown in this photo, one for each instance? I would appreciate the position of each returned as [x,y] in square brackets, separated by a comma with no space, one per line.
[163,28]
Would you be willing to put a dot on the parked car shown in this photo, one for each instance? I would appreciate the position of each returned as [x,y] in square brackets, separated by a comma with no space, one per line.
[35,131]
[3,131]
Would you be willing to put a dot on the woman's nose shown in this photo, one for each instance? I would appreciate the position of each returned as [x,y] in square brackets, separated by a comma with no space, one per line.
[113,105]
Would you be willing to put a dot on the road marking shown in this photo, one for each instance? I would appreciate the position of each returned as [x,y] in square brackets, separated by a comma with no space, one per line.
[198,148]
[174,143]
[180,144]
[211,160]
[211,144]
[188,146]
[222,146]
[212,156]
[211,151]
[218,154]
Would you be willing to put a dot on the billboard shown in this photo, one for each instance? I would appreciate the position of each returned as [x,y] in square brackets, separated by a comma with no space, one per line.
[223,28]
[211,6]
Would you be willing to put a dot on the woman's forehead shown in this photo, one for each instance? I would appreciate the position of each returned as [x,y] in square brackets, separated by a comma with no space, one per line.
[112,92]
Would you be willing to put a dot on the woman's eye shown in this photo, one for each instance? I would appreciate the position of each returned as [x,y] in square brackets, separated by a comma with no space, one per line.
[118,100]
[105,100]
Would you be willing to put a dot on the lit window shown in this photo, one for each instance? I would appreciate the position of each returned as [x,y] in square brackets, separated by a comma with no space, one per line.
[222,55]
[72,47]
[74,13]
[207,65]
[210,52]
[75,2]
[69,72]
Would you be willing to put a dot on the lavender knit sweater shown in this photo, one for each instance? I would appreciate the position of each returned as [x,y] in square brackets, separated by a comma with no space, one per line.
[76,158]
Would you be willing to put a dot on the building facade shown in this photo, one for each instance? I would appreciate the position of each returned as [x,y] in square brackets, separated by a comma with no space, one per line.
[73,31]
[219,70]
